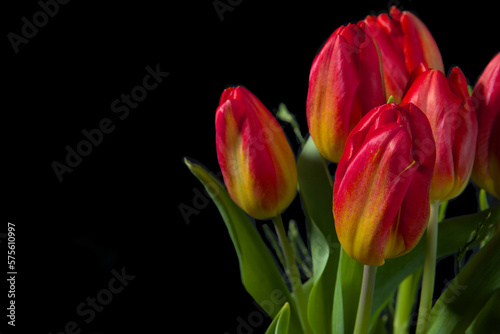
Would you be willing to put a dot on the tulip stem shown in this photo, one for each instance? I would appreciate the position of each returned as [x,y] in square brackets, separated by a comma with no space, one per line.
[365,300]
[429,273]
[407,291]
[327,171]
[292,272]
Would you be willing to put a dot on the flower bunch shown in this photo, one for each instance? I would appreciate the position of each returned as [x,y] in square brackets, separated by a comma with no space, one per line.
[405,139]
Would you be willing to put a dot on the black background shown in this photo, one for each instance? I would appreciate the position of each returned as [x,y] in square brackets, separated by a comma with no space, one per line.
[119,208]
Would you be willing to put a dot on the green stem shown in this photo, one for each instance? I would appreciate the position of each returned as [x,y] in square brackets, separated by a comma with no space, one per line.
[292,271]
[405,301]
[429,269]
[365,300]
[407,291]
[327,171]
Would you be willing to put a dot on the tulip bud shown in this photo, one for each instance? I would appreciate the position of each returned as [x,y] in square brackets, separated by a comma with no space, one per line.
[486,98]
[255,157]
[381,191]
[344,84]
[404,43]
[449,108]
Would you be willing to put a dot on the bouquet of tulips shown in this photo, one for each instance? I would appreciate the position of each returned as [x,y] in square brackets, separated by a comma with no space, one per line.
[405,139]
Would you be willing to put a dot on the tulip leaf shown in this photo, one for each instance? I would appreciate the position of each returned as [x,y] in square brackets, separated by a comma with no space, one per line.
[299,249]
[471,295]
[487,319]
[347,290]
[325,263]
[281,322]
[286,116]
[483,200]
[453,233]
[316,192]
[338,315]
[273,240]
[316,189]
[379,320]
[259,273]
[379,325]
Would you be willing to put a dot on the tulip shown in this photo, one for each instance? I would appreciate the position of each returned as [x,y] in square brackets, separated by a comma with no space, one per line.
[486,98]
[345,83]
[381,190]
[447,104]
[404,43]
[257,163]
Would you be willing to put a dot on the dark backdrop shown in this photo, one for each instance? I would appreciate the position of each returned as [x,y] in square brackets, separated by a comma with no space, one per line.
[116,214]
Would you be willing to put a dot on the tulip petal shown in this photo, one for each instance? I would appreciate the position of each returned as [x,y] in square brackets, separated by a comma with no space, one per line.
[389,36]
[447,104]
[367,242]
[486,100]
[372,184]
[326,96]
[464,144]
[420,46]
[344,84]
[257,163]
[404,43]
[494,159]
[371,89]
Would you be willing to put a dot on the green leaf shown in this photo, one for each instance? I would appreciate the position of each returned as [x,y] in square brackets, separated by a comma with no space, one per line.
[299,249]
[470,89]
[320,306]
[273,240]
[259,273]
[316,192]
[347,290]
[469,292]
[316,189]
[453,233]
[286,116]
[405,302]
[281,321]
[379,325]
[487,319]
[483,200]
[338,306]
[379,320]
[442,211]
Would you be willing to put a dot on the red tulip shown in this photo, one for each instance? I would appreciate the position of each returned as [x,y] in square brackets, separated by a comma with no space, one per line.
[486,98]
[447,104]
[404,43]
[344,84]
[381,191]
[255,157]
